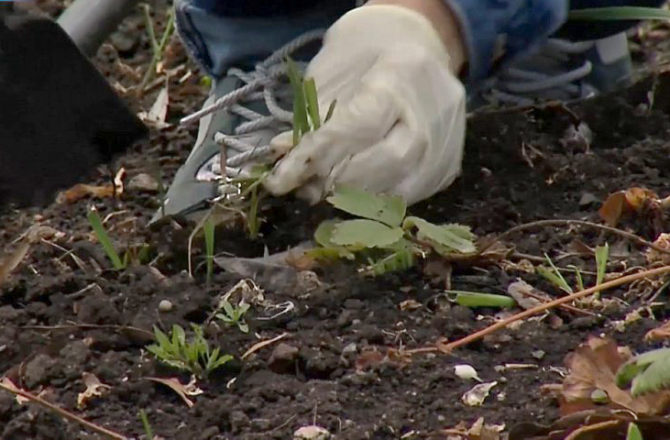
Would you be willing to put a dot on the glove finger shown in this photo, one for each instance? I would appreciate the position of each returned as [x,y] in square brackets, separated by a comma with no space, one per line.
[354,126]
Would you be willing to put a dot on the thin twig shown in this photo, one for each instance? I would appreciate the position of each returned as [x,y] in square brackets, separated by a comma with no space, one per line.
[552,304]
[79,326]
[446,348]
[543,223]
[63,412]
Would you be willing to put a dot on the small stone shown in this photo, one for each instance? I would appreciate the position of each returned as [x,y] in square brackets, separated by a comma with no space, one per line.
[165,306]
[538,354]
[283,358]
[311,433]
[143,182]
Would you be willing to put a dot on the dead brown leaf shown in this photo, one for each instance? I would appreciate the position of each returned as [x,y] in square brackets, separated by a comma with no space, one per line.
[478,431]
[183,390]
[654,256]
[593,366]
[632,200]
[659,333]
[81,190]
[598,424]
[12,261]
[94,388]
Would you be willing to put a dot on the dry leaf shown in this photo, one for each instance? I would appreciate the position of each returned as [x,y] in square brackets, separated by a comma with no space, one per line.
[410,305]
[659,333]
[183,390]
[623,202]
[593,367]
[158,112]
[94,388]
[525,295]
[81,190]
[12,261]
[654,256]
[478,393]
[369,359]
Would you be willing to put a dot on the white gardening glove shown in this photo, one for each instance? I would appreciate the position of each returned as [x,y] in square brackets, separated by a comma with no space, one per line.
[399,122]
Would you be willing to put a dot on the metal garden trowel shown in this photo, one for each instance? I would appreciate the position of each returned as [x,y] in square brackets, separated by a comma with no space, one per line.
[58,116]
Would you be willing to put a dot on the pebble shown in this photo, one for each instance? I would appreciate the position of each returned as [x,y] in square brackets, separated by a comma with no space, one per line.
[311,433]
[143,182]
[165,306]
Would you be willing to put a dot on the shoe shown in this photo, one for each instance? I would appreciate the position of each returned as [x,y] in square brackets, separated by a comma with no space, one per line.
[560,70]
[244,111]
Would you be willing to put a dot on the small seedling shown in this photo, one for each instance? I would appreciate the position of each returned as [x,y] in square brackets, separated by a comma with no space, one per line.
[234,315]
[383,234]
[157,47]
[554,276]
[193,355]
[106,242]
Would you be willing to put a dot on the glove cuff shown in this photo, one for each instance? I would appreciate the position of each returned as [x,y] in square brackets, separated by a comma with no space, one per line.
[498,31]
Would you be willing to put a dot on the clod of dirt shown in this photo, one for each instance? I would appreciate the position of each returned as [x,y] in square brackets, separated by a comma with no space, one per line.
[39,371]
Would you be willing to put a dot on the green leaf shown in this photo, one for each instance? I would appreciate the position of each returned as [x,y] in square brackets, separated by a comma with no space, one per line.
[244,328]
[324,233]
[602,255]
[103,238]
[383,208]
[655,377]
[633,432]
[628,371]
[448,238]
[366,233]
[402,258]
[477,299]
[312,103]
[619,13]
[300,122]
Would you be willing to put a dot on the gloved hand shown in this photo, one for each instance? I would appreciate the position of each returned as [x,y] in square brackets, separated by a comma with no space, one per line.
[399,122]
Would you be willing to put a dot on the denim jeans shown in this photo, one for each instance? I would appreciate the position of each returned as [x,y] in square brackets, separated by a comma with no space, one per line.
[218,41]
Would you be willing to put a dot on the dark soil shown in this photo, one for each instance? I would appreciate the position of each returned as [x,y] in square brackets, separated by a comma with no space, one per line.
[65,312]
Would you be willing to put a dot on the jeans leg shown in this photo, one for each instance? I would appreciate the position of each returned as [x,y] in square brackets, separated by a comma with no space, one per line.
[218,42]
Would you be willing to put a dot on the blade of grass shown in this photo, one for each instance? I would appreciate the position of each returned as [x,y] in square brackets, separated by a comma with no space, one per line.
[619,13]
[106,243]
[312,103]
[602,255]
[478,299]
[331,110]
[208,229]
[554,276]
[300,122]
[147,426]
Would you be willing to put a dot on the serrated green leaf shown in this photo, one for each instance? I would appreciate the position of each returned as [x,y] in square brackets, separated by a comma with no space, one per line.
[633,432]
[655,377]
[447,238]
[366,233]
[398,261]
[628,371]
[389,210]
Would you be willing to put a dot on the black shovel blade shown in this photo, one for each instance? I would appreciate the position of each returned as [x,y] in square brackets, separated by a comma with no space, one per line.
[59,118]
